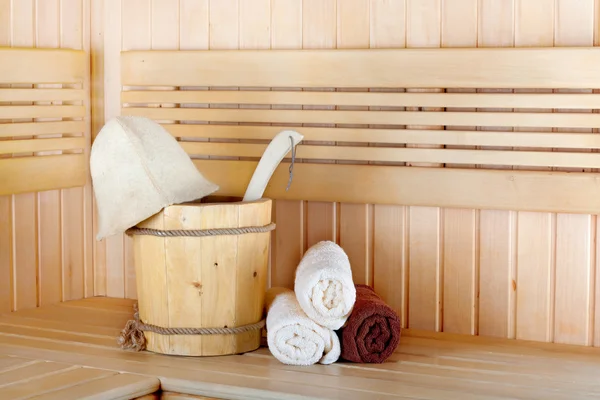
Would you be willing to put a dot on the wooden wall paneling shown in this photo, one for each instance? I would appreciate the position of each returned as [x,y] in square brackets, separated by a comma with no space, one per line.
[573,319]
[596,316]
[224,31]
[497,273]
[88,194]
[575,234]
[76,271]
[597,242]
[356,220]
[112,271]
[25,229]
[6,290]
[193,20]
[288,241]
[255,32]
[424,230]
[319,23]
[5,19]
[535,260]
[193,32]
[6,287]
[47,15]
[390,243]
[497,267]
[45,235]
[534,26]
[164,34]
[98,36]
[146,24]
[142,23]
[460,234]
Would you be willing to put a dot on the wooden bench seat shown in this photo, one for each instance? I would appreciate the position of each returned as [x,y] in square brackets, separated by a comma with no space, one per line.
[33,378]
[83,333]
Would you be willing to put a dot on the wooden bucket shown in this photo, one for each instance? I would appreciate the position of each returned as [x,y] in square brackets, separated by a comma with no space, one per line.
[216,282]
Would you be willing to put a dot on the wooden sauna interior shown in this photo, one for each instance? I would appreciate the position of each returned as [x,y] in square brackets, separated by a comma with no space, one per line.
[495,303]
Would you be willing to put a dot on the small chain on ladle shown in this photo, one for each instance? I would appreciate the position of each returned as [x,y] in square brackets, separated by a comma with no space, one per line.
[292,164]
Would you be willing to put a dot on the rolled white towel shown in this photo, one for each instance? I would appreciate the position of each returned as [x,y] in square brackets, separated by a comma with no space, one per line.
[324,286]
[293,338]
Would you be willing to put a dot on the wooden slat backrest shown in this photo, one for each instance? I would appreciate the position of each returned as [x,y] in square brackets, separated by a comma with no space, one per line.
[225,131]
[42,111]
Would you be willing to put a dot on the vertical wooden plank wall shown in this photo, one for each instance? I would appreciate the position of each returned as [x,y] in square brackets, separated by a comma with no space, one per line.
[45,238]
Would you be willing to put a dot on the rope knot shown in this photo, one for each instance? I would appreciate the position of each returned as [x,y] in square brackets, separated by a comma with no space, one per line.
[132,336]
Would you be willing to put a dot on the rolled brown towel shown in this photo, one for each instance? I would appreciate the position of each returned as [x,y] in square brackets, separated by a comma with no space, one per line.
[372,332]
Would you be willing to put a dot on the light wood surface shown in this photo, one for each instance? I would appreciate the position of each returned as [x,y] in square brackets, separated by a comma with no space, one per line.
[46,234]
[26,165]
[173,396]
[507,267]
[426,365]
[204,282]
[512,68]
[33,378]
[448,68]
[181,396]
[22,65]
[405,251]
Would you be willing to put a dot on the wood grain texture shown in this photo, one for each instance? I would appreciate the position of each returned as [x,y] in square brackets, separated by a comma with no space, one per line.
[479,248]
[501,248]
[390,223]
[575,234]
[497,267]
[535,262]
[288,19]
[47,231]
[204,282]
[424,228]
[40,352]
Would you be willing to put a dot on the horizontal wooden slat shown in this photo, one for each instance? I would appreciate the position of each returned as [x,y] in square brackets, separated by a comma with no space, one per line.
[398,154]
[27,65]
[535,68]
[36,145]
[17,112]
[41,95]
[557,120]
[374,99]
[41,128]
[32,174]
[393,136]
[436,187]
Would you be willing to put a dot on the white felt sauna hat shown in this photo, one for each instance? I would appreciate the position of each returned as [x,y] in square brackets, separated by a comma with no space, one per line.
[137,169]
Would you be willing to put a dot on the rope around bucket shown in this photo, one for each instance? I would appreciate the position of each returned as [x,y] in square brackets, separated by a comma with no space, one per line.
[201,232]
[132,336]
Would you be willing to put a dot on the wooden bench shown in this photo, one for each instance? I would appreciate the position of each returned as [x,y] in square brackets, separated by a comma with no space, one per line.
[426,365]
